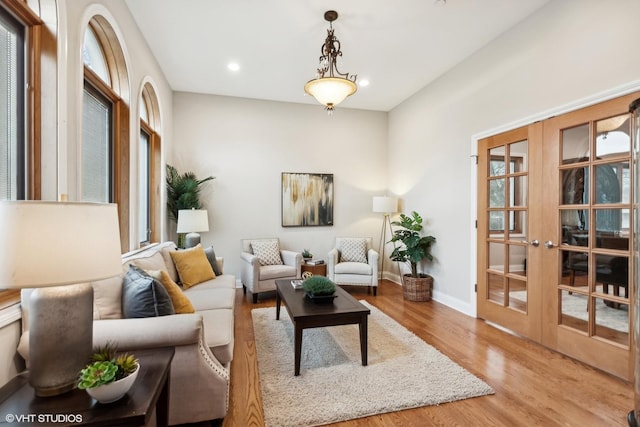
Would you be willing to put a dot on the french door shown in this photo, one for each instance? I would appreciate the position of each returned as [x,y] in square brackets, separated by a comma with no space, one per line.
[554,231]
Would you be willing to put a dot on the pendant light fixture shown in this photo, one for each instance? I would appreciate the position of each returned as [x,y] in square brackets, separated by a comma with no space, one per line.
[330,87]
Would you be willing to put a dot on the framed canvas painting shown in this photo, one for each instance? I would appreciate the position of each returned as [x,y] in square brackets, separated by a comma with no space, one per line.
[307,199]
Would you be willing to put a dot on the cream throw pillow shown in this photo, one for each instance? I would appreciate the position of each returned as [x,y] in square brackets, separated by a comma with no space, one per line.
[193,266]
[268,252]
[353,250]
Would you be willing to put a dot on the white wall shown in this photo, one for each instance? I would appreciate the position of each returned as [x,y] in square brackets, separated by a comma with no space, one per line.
[568,51]
[247,144]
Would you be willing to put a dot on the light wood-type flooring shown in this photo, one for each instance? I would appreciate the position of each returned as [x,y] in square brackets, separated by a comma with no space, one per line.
[534,386]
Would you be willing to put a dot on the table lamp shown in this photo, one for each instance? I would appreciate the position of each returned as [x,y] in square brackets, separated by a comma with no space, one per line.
[192,221]
[385,205]
[58,248]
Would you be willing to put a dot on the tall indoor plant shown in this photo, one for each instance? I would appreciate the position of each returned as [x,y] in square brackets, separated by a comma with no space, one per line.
[415,248]
[183,192]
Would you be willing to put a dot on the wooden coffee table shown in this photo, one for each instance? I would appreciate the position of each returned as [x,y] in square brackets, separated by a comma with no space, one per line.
[344,310]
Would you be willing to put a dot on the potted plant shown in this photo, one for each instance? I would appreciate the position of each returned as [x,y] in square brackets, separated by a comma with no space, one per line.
[319,288]
[307,255]
[183,192]
[415,248]
[108,376]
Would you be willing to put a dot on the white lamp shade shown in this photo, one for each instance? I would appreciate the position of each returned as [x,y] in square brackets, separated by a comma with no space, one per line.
[193,221]
[55,243]
[330,90]
[384,204]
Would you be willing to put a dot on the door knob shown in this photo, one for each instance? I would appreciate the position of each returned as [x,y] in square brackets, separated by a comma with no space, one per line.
[549,244]
[532,243]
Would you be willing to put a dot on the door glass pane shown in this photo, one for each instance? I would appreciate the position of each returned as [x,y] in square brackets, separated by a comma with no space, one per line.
[517,257]
[612,136]
[495,286]
[612,321]
[518,156]
[518,225]
[574,227]
[612,274]
[496,256]
[496,222]
[143,188]
[613,228]
[497,193]
[518,191]
[497,162]
[574,310]
[575,269]
[575,144]
[575,186]
[609,179]
[517,294]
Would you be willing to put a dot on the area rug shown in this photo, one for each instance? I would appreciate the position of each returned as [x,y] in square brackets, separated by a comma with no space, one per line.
[403,371]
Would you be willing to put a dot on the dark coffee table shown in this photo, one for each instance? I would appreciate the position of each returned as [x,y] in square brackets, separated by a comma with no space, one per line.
[305,314]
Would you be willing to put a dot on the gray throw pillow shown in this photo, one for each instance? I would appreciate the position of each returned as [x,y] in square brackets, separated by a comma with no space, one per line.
[211,257]
[144,296]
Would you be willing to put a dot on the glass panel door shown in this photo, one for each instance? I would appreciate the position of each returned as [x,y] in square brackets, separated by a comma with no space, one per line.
[504,294]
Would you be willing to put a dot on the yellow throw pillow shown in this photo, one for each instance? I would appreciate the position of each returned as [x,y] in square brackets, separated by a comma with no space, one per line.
[181,304]
[193,266]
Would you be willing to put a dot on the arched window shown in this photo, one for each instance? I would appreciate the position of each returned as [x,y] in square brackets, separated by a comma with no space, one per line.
[149,168]
[104,169]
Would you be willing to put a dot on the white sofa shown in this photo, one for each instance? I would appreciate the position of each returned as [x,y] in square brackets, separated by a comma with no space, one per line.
[203,341]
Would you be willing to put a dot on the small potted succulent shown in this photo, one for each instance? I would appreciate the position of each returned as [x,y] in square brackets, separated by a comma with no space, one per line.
[306,254]
[319,289]
[109,376]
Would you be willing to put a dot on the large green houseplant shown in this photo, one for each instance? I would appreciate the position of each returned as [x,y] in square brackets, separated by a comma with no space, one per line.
[414,249]
[183,191]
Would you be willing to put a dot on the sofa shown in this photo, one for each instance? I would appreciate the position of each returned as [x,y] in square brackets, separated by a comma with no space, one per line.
[203,340]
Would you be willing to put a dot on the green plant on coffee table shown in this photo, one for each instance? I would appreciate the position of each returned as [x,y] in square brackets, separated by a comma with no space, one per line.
[106,367]
[319,286]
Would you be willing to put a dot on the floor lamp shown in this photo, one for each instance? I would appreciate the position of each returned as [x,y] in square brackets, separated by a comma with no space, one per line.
[385,205]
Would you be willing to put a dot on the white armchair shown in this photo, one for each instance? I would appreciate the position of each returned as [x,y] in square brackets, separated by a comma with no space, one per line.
[263,262]
[353,261]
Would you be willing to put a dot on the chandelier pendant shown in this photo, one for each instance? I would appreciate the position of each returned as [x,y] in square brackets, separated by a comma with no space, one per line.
[331,87]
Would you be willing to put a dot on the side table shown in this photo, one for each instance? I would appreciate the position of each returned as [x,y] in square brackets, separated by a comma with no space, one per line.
[19,406]
[316,270]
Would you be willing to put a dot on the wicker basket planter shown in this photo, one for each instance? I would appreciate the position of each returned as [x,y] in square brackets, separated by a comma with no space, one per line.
[417,288]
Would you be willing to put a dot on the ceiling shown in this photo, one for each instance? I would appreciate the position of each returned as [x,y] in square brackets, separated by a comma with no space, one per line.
[399,47]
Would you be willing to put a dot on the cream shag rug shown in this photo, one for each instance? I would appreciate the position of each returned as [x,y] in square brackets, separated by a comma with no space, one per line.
[403,372]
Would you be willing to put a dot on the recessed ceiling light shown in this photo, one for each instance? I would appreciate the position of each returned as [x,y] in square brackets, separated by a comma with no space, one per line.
[233,66]
[364,82]
[440,2]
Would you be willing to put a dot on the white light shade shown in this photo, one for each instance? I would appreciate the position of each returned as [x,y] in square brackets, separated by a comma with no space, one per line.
[384,204]
[55,243]
[330,91]
[193,221]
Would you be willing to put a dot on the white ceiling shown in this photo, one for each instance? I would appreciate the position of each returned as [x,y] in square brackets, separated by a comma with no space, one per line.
[398,46]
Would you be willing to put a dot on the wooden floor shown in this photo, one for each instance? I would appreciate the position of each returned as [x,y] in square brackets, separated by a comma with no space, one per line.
[534,386]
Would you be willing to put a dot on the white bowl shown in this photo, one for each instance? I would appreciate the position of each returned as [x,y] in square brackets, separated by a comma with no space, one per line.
[111,392]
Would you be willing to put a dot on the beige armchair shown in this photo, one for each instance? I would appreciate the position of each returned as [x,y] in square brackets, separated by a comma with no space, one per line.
[353,261]
[264,262]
